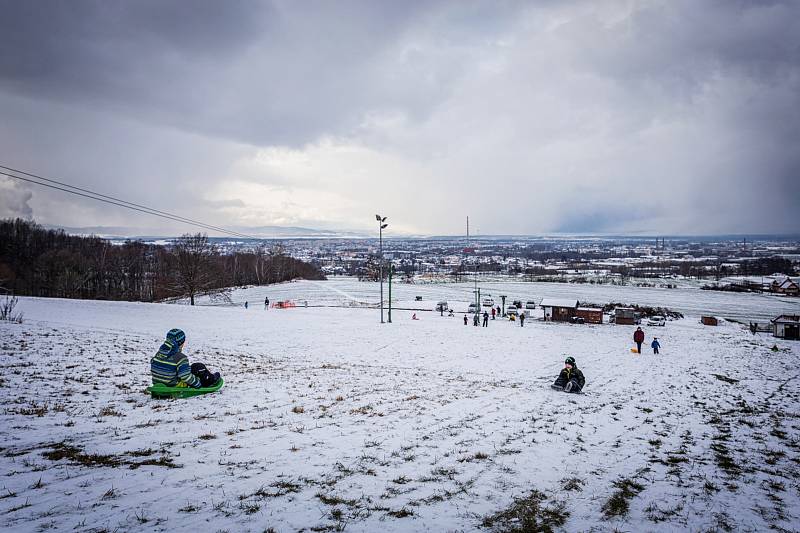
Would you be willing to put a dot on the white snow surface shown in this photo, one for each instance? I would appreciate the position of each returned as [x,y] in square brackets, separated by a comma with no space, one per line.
[331,421]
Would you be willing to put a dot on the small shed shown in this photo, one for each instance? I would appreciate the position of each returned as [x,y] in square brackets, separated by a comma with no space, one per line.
[789,287]
[625,316]
[559,309]
[709,320]
[592,315]
[786,327]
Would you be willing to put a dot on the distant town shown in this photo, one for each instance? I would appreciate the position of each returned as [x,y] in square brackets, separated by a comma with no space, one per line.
[768,264]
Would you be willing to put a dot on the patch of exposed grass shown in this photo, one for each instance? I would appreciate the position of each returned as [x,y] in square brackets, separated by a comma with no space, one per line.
[725,460]
[401,513]
[572,484]
[656,514]
[531,513]
[109,411]
[726,379]
[619,502]
[62,450]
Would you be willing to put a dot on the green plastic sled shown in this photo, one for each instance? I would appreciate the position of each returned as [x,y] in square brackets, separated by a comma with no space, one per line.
[160,390]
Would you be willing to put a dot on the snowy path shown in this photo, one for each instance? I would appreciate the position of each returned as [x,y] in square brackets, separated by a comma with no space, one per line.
[330,421]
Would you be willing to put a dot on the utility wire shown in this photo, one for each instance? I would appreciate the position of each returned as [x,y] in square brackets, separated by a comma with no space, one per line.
[117,201]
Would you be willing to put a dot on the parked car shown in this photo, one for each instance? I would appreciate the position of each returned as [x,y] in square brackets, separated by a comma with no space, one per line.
[441,306]
[530,304]
[657,320]
[473,308]
[517,304]
[512,310]
[487,301]
[577,320]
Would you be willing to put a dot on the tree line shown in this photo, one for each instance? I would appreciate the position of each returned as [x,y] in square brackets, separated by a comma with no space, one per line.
[35,261]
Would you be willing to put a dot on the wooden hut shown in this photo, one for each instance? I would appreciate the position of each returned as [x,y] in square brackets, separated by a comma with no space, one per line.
[786,327]
[559,309]
[709,320]
[591,315]
[625,316]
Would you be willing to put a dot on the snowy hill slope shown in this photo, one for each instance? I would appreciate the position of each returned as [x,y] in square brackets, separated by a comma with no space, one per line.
[330,421]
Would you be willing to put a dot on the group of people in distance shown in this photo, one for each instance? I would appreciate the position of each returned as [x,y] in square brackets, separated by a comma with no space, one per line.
[170,366]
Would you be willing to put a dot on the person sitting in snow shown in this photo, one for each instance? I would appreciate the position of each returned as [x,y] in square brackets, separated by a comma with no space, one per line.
[571,378]
[170,366]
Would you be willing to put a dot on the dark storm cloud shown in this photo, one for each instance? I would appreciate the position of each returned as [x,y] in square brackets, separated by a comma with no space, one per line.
[258,72]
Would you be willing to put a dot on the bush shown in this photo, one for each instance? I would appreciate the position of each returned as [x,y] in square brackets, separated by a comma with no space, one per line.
[7,306]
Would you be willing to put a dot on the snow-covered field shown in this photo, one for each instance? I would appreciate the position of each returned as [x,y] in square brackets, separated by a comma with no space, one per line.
[688,300]
[331,421]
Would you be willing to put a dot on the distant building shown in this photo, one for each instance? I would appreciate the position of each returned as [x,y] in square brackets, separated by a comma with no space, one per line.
[786,327]
[590,315]
[625,316]
[559,309]
[789,287]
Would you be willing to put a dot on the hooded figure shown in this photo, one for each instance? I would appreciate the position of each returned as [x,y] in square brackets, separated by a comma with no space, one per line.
[171,367]
[571,378]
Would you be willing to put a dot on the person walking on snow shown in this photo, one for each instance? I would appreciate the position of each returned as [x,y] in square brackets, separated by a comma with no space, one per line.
[245,304]
[465,320]
[570,379]
[486,319]
[266,302]
[655,345]
[475,320]
[638,338]
[493,313]
[522,319]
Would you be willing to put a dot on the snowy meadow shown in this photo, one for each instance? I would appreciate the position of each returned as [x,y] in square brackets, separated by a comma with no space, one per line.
[330,421]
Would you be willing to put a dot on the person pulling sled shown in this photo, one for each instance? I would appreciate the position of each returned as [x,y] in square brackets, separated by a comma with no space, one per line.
[571,378]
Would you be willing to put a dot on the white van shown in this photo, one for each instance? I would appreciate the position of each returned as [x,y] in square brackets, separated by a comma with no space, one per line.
[530,304]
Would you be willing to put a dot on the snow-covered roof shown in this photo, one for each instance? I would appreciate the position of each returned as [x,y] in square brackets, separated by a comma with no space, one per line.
[593,309]
[559,302]
[787,319]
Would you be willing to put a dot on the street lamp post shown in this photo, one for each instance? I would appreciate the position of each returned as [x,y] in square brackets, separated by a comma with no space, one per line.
[381,226]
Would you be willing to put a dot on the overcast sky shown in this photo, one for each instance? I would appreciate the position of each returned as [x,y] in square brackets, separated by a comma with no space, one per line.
[656,117]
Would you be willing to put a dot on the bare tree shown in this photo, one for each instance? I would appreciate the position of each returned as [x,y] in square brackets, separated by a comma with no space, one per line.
[194,272]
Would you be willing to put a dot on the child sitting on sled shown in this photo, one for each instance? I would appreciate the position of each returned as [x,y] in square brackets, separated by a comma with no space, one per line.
[170,366]
[571,378]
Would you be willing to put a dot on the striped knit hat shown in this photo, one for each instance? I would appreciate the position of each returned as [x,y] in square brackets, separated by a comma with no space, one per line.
[176,336]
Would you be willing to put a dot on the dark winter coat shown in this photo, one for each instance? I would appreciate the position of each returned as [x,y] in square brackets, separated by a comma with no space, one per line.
[638,336]
[567,375]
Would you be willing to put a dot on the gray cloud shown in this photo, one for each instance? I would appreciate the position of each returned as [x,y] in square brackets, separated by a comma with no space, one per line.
[657,116]
[14,199]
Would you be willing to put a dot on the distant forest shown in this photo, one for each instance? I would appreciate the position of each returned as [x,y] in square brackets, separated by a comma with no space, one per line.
[42,262]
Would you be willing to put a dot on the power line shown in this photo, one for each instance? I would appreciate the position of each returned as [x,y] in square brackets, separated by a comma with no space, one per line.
[86,193]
